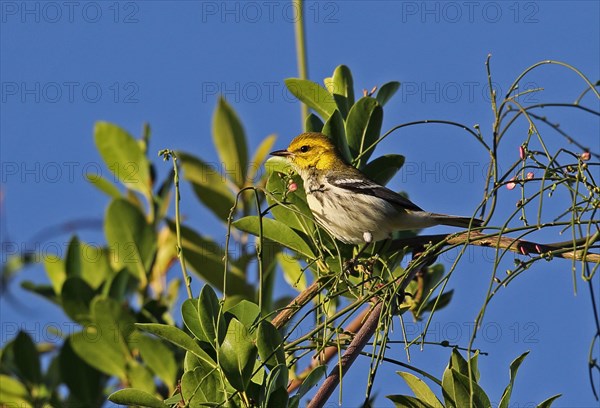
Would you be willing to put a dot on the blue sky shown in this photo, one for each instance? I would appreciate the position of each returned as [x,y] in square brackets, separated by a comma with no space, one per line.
[64,67]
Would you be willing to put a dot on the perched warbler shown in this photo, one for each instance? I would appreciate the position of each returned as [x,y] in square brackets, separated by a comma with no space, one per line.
[353,208]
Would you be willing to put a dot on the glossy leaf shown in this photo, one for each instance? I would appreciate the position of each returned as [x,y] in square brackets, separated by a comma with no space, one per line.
[202,387]
[177,337]
[363,127]
[514,367]
[131,239]
[131,396]
[123,156]
[230,141]
[384,168]
[313,123]
[335,129]
[237,355]
[246,312]
[270,345]
[421,390]
[275,231]
[313,95]
[210,186]
[386,92]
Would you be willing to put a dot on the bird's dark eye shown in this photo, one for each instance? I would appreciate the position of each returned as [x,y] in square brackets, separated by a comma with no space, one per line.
[304,149]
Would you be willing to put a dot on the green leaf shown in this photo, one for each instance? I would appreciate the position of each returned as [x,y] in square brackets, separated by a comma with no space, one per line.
[313,123]
[313,95]
[275,231]
[189,313]
[421,390]
[140,377]
[270,345]
[458,362]
[363,127]
[124,157]
[177,337]
[13,392]
[342,88]
[514,367]
[292,271]
[55,269]
[205,257]
[95,348]
[103,185]
[335,129]
[202,387]
[237,355]
[405,401]
[387,91]
[265,147]
[295,212]
[311,380]
[209,185]
[230,141]
[132,241]
[130,396]
[27,358]
[384,168]
[76,297]
[442,300]
[88,262]
[276,394]
[159,358]
[84,382]
[246,312]
[548,402]
[461,382]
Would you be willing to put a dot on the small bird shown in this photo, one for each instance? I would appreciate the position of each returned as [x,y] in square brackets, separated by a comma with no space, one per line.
[353,208]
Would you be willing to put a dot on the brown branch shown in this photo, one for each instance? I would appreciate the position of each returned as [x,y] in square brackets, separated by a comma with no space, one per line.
[507,243]
[362,337]
[328,353]
[358,343]
[299,301]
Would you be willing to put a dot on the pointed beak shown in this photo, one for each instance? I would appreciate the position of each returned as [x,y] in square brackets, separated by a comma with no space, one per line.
[282,153]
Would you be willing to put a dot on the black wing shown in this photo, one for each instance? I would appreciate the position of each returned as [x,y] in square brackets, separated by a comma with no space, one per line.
[361,185]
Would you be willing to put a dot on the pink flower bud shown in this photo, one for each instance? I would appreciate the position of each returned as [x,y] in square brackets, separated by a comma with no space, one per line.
[511,185]
[521,152]
[523,250]
[292,187]
[538,249]
[530,175]
[585,156]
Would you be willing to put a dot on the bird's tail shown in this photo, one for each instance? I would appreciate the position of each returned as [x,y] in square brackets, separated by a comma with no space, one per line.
[454,221]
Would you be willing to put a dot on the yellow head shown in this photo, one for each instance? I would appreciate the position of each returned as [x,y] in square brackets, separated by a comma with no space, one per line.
[311,150]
